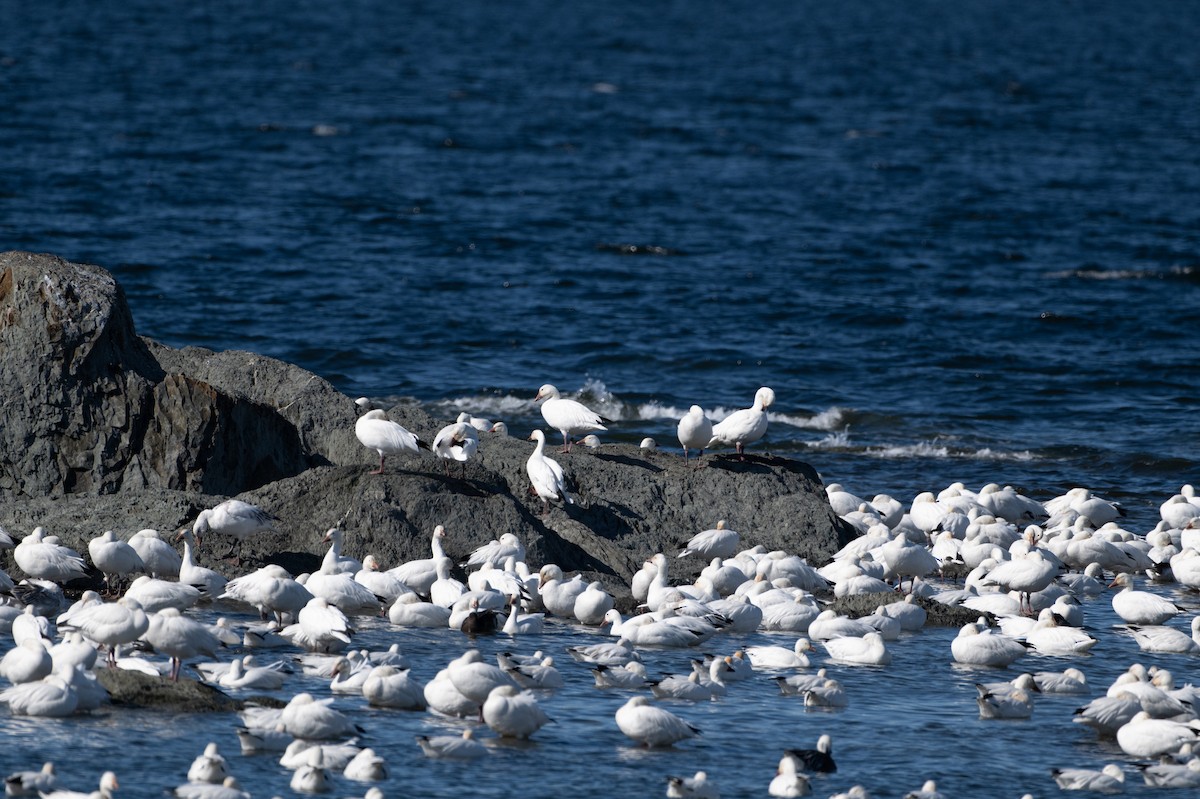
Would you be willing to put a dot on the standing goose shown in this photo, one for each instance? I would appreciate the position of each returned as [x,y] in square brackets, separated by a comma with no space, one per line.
[745,426]
[456,442]
[375,431]
[235,518]
[546,475]
[567,416]
[210,583]
[114,557]
[695,431]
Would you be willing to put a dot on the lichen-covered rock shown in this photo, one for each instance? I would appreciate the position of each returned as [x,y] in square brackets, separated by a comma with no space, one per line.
[134,689]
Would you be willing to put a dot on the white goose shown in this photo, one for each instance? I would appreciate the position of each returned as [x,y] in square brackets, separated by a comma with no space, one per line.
[718,542]
[209,582]
[108,784]
[650,725]
[388,686]
[366,766]
[695,431]
[1140,607]
[271,589]
[745,426]
[419,574]
[545,474]
[235,518]
[779,657]
[452,747]
[1110,779]
[313,720]
[112,624]
[1167,639]
[456,442]
[869,650]
[513,713]
[47,560]
[180,638]
[114,557]
[1144,736]
[160,558]
[410,611]
[377,432]
[52,696]
[567,416]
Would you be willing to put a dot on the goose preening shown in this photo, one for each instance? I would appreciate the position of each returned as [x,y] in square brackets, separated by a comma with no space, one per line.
[376,432]
[744,427]
[546,475]
[695,431]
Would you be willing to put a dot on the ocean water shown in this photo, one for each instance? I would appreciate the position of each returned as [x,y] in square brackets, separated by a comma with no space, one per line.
[959,241]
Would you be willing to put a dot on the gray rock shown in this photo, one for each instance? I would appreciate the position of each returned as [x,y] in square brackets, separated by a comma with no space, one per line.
[107,430]
[134,689]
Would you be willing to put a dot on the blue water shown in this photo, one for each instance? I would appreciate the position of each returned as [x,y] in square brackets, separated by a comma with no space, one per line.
[958,240]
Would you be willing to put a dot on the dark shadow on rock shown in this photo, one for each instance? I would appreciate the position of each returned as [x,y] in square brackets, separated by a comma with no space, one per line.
[625,460]
[295,562]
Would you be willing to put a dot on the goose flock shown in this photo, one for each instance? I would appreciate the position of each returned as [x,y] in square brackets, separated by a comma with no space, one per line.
[509,653]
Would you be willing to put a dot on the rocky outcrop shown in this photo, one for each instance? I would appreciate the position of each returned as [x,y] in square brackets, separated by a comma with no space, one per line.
[134,689]
[107,430]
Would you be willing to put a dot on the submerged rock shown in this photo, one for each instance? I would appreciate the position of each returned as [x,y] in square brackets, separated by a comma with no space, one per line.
[108,430]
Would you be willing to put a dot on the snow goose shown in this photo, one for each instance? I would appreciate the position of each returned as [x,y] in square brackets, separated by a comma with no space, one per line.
[419,574]
[209,766]
[780,657]
[842,501]
[108,784]
[336,756]
[243,675]
[1143,736]
[456,442]
[652,632]
[271,589]
[697,787]
[114,557]
[609,654]
[592,603]
[631,676]
[112,624]
[180,638]
[159,557]
[534,676]
[380,583]
[52,697]
[1110,779]
[567,416]
[499,428]
[366,766]
[410,611]
[1048,637]
[789,781]
[30,661]
[929,790]
[694,431]
[718,542]
[347,678]
[799,683]
[209,582]
[334,562]
[1068,681]
[829,624]
[975,645]
[319,627]
[744,426]
[818,760]
[475,679]
[1107,714]
[690,688]
[154,594]
[908,612]
[523,623]
[342,591]
[513,713]
[902,558]
[31,783]
[452,747]
[444,699]
[388,686]
[46,560]
[1172,775]
[229,788]
[559,595]
[312,777]
[497,551]
[375,431]
[445,590]
[869,650]
[652,726]
[1140,607]
[1167,639]
[827,694]
[312,720]
[1026,573]
[1014,704]
[545,474]
[234,518]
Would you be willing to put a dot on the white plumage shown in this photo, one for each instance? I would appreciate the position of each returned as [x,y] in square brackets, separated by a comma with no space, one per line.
[567,416]
[745,426]
[545,474]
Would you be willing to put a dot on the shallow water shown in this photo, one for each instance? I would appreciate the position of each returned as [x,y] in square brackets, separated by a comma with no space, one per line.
[912,720]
